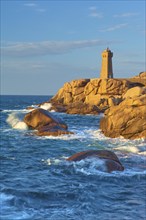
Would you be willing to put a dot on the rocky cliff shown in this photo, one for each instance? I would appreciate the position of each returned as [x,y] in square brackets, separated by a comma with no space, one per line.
[122,100]
[128,119]
[91,95]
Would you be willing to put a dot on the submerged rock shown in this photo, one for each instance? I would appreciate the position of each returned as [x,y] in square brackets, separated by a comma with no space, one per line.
[111,160]
[46,123]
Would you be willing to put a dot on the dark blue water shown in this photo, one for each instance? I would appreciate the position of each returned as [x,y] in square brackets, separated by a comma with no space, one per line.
[37,183]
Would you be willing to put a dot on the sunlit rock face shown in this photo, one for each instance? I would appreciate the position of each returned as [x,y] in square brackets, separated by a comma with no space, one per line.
[98,92]
[128,119]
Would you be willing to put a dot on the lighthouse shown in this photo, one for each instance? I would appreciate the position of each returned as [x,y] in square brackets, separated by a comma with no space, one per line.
[106,68]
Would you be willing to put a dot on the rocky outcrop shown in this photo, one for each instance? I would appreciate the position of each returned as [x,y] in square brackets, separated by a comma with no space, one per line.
[135,91]
[101,93]
[82,109]
[140,78]
[128,119]
[46,123]
[141,75]
[111,160]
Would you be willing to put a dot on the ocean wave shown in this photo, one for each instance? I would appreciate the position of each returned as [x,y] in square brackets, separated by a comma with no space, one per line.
[16,110]
[7,209]
[78,135]
[46,106]
[15,122]
[91,166]
[119,144]
[5,197]
[131,149]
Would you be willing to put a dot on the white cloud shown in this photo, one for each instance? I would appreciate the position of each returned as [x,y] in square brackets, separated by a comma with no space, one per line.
[47,47]
[30,5]
[94,13]
[113,28]
[129,14]
[35,7]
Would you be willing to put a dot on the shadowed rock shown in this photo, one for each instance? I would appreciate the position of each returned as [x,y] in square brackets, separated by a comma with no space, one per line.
[51,130]
[46,123]
[111,160]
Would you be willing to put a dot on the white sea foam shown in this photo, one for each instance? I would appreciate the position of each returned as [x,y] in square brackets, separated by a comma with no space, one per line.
[78,135]
[15,122]
[93,166]
[19,110]
[119,144]
[90,166]
[4,197]
[46,106]
[51,161]
[130,149]
[143,153]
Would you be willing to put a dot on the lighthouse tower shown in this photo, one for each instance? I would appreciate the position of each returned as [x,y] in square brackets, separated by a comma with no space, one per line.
[106,68]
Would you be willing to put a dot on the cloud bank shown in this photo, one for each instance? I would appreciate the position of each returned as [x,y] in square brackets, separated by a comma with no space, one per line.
[21,49]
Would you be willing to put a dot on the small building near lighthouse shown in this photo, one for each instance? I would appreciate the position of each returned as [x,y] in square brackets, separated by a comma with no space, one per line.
[106,67]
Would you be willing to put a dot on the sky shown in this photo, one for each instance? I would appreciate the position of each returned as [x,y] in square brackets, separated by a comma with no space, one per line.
[47,43]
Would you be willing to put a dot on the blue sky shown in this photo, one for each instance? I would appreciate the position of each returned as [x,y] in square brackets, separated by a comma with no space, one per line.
[47,43]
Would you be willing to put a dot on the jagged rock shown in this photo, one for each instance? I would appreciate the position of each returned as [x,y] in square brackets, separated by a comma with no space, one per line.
[111,160]
[81,108]
[71,92]
[58,107]
[127,119]
[101,93]
[112,101]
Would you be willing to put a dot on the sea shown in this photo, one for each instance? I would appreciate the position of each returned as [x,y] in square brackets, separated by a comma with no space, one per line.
[37,183]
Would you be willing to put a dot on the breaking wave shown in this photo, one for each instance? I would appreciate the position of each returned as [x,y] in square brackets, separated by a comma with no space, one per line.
[15,121]
[46,106]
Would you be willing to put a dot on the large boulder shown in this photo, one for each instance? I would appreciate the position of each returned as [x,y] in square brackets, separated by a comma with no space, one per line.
[111,160]
[46,123]
[41,117]
[128,119]
[135,91]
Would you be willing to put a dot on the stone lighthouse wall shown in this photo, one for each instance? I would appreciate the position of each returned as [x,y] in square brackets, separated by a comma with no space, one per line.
[106,68]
